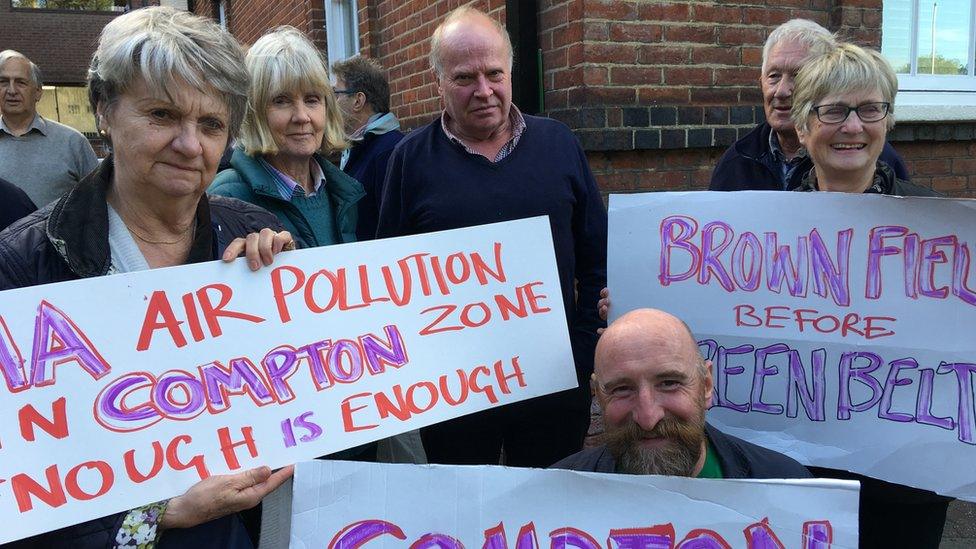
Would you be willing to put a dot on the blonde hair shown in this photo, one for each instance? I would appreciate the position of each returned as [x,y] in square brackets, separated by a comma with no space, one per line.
[281,61]
[458,14]
[846,68]
[163,46]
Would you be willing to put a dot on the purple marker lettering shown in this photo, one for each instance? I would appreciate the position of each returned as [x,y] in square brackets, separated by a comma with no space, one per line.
[923,406]
[779,266]
[826,273]
[686,227]
[760,371]
[57,340]
[884,409]
[379,353]
[711,264]
[747,246]
[862,374]
[964,378]
[876,251]
[359,533]
[813,399]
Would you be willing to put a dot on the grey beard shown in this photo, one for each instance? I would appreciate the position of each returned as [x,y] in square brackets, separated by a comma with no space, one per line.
[673,459]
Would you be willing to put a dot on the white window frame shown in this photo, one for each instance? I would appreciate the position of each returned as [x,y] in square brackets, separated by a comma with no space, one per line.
[341,29]
[924,94]
[222,13]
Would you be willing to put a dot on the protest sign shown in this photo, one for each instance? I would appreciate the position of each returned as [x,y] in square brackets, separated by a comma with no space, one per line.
[123,390]
[840,327]
[347,505]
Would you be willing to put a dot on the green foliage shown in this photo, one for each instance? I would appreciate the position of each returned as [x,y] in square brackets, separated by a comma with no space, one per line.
[942,66]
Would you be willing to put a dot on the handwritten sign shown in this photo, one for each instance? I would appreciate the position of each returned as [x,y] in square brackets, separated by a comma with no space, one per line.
[122,390]
[840,327]
[351,505]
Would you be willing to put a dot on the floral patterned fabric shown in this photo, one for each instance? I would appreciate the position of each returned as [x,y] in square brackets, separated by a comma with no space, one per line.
[140,527]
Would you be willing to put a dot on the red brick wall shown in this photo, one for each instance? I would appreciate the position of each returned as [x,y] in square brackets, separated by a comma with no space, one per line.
[948,167]
[397,34]
[60,42]
[248,20]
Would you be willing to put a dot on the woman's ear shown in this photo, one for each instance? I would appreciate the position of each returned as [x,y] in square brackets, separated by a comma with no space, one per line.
[801,135]
[100,118]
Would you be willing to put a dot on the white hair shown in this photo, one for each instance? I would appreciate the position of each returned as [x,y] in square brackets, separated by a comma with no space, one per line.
[163,45]
[35,71]
[802,31]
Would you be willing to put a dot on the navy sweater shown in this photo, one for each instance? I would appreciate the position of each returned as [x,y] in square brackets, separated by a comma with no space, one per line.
[367,164]
[433,184]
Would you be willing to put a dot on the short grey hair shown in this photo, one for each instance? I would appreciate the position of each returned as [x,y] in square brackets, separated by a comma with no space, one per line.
[163,45]
[463,12]
[35,71]
[803,31]
[846,68]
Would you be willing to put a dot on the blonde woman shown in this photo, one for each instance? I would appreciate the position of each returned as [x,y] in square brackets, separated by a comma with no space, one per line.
[292,122]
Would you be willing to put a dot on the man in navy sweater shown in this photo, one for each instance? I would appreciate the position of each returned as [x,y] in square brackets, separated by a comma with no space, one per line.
[363,94]
[482,161]
[769,158]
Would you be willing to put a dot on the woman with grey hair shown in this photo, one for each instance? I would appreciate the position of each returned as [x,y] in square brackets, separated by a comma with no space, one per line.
[168,88]
[292,122]
[842,108]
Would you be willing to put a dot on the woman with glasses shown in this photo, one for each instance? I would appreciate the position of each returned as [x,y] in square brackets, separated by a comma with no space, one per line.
[842,108]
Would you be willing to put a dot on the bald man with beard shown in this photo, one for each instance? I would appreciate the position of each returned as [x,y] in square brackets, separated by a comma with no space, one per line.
[654,387]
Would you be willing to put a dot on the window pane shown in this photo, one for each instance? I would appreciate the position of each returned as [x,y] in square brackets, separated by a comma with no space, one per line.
[896,34]
[948,21]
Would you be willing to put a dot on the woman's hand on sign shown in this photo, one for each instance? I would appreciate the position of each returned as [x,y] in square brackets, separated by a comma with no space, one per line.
[259,248]
[221,495]
[603,307]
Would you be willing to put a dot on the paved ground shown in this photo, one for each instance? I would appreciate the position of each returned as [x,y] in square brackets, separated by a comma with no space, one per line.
[960,528]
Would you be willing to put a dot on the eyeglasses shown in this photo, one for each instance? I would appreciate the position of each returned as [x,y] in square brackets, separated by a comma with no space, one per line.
[867,112]
[345,92]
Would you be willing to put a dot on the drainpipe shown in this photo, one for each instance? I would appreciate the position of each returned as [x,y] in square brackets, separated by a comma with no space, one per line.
[522,22]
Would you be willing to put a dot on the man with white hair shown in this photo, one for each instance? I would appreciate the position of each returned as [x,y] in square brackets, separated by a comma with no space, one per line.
[41,156]
[770,158]
[483,161]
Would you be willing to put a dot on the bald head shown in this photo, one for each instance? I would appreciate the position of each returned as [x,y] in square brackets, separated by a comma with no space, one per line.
[646,332]
[460,27]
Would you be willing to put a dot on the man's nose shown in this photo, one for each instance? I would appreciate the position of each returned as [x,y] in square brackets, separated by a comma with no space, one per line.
[483,89]
[648,410]
[784,88]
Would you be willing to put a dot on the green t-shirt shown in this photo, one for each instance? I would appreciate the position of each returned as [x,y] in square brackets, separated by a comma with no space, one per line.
[712,468]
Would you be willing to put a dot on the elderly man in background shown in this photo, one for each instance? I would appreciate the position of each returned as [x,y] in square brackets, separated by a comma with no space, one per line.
[363,94]
[653,388]
[770,157]
[483,161]
[41,156]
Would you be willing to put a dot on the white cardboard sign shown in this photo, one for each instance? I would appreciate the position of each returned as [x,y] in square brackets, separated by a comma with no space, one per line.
[840,327]
[122,390]
[348,505]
